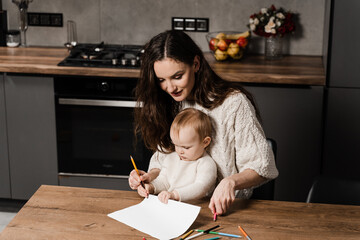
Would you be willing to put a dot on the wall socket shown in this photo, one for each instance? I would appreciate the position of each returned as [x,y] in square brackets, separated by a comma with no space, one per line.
[190,24]
[45,19]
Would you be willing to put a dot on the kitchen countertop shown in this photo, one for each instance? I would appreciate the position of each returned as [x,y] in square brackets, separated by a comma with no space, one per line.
[293,70]
[56,212]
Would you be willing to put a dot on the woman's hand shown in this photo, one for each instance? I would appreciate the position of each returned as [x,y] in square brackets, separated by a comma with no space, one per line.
[223,196]
[144,192]
[135,180]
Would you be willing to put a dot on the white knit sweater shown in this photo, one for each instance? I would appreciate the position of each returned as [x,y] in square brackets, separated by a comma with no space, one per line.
[238,141]
[191,179]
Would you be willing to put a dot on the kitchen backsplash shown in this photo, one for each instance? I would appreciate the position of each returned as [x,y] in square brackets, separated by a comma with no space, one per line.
[136,21]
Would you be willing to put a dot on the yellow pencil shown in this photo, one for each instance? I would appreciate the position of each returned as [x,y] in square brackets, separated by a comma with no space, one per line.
[133,162]
[137,171]
[186,235]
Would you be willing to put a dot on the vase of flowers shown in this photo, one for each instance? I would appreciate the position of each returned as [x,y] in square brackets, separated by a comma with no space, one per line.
[272,24]
[273,48]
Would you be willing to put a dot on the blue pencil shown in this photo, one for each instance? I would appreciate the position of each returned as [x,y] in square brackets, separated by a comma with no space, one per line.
[222,234]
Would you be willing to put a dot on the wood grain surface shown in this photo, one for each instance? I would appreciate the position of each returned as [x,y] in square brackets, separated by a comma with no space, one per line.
[56,212]
[299,70]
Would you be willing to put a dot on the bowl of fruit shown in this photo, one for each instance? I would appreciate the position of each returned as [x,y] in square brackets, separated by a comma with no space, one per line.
[228,45]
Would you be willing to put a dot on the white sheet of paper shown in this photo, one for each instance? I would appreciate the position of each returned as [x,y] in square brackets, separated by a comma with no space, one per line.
[162,221]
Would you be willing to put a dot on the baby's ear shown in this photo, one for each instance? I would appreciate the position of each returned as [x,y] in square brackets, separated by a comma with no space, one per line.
[206,141]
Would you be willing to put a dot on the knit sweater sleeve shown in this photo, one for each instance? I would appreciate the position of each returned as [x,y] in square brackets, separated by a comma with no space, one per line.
[251,147]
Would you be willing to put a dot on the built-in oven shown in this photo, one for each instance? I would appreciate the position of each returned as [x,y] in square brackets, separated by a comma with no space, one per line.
[95,133]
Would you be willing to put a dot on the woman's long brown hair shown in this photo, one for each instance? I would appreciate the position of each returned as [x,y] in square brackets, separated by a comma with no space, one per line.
[154,118]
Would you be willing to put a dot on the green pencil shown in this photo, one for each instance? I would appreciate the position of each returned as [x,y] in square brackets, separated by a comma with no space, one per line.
[222,234]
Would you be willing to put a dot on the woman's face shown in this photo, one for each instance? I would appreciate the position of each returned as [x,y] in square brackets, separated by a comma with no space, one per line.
[176,78]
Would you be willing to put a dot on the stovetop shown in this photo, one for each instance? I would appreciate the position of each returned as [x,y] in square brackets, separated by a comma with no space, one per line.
[104,55]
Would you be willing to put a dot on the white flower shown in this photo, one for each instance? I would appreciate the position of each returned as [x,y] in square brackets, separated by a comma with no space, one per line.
[256,21]
[270,26]
[263,10]
[252,27]
[251,21]
[278,23]
[280,15]
[268,29]
[273,31]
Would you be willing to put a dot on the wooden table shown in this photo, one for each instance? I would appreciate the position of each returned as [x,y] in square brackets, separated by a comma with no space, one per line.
[55,212]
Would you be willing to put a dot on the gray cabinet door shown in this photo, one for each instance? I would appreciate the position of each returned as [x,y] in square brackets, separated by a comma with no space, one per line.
[4,160]
[31,133]
[292,116]
[345,47]
[342,134]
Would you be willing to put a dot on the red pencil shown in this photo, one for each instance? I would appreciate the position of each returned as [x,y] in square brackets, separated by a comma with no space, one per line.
[215,215]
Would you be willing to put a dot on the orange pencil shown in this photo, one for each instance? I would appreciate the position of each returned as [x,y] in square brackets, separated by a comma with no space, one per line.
[243,232]
[137,171]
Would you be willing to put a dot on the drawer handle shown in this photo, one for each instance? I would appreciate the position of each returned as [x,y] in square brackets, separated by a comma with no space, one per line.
[94,102]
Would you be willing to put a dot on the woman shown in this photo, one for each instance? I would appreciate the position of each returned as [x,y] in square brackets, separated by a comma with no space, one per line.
[175,75]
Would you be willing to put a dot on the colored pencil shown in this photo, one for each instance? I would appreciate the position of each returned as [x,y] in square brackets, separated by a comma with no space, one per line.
[215,215]
[221,233]
[186,235]
[204,232]
[212,238]
[137,171]
[243,232]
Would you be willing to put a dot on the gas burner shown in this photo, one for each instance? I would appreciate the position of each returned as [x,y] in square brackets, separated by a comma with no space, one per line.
[103,55]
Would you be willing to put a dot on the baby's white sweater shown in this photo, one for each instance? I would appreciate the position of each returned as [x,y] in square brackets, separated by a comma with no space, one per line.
[238,141]
[191,179]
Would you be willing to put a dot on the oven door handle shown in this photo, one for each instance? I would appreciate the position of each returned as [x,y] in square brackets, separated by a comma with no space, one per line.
[95,102]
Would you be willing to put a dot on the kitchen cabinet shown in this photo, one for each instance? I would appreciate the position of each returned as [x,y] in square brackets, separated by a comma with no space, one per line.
[4,158]
[344,48]
[342,134]
[292,116]
[342,129]
[30,118]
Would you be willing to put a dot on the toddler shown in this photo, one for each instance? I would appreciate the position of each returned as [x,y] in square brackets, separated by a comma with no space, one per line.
[189,172]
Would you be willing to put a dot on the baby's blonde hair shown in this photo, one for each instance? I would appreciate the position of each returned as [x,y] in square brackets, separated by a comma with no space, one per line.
[194,118]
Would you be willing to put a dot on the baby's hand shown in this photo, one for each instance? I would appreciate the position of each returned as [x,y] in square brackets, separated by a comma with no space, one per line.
[149,188]
[164,196]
